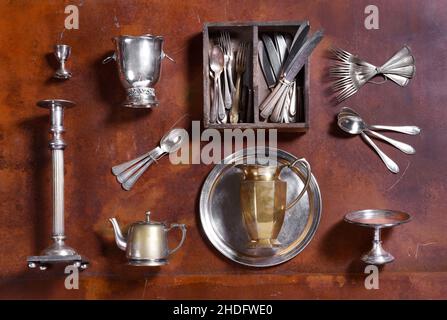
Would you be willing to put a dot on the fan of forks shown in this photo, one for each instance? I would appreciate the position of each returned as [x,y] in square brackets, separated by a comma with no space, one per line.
[351,73]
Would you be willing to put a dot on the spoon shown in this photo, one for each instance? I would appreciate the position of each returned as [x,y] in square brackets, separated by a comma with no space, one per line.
[412,130]
[129,172]
[217,65]
[355,125]
[390,164]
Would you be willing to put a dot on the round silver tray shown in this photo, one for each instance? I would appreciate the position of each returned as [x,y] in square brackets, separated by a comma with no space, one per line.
[221,219]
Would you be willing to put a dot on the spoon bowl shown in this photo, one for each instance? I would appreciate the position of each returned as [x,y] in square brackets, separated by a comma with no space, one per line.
[217,60]
[351,124]
[173,140]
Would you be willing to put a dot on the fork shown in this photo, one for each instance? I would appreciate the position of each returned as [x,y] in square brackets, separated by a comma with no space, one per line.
[351,73]
[227,90]
[228,51]
[241,58]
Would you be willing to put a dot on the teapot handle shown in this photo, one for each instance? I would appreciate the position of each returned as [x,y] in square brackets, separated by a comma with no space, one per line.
[183,228]
[306,184]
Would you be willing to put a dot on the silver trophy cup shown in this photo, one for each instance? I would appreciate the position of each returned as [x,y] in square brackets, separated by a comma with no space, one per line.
[139,65]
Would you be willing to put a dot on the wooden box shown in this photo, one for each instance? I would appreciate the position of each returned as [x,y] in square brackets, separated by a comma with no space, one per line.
[249,32]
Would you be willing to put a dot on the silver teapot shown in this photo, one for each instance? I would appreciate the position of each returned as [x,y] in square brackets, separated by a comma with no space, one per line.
[146,243]
[139,65]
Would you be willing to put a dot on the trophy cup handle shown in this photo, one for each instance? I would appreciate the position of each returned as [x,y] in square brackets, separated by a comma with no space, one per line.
[164,55]
[109,58]
[306,183]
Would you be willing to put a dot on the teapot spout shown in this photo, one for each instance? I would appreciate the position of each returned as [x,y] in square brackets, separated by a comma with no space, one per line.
[120,240]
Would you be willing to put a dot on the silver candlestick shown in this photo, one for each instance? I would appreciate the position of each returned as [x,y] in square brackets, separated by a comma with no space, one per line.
[58,252]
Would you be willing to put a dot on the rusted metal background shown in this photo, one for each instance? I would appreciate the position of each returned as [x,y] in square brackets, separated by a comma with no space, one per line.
[100,134]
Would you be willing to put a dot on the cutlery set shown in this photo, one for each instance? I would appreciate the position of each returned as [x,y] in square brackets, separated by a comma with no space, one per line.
[350,72]
[228,61]
[351,122]
[281,60]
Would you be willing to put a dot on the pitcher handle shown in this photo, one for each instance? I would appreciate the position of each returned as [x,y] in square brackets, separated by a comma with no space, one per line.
[306,184]
[183,228]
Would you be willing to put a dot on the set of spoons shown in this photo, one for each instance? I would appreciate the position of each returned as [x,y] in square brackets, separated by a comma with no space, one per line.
[351,122]
[129,172]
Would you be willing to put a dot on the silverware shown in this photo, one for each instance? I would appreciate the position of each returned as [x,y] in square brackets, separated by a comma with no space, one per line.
[226,86]
[241,61]
[139,65]
[267,71]
[230,54]
[129,172]
[390,164]
[411,130]
[58,252]
[289,74]
[225,229]
[246,96]
[272,54]
[351,73]
[355,125]
[281,47]
[216,65]
[297,43]
[146,243]
[62,52]
[377,219]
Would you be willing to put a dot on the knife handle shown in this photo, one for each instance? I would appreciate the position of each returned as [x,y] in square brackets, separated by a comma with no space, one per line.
[269,104]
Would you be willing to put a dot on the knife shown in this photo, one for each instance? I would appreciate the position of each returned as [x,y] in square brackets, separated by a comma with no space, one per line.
[281,47]
[297,42]
[265,66]
[272,55]
[298,61]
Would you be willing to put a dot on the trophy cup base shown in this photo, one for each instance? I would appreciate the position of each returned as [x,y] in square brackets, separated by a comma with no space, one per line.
[147,262]
[62,75]
[58,252]
[263,243]
[143,98]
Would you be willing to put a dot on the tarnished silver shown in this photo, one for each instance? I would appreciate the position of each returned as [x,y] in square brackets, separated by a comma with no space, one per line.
[271,107]
[351,73]
[146,243]
[129,172]
[351,122]
[390,164]
[139,65]
[377,219]
[58,252]
[62,53]
[220,207]
[241,63]
[411,130]
[217,64]
[227,87]
[355,125]
[229,58]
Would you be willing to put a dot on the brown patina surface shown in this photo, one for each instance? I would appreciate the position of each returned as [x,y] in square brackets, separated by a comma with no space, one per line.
[100,133]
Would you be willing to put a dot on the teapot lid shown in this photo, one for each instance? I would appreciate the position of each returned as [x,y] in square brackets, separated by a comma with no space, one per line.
[149,221]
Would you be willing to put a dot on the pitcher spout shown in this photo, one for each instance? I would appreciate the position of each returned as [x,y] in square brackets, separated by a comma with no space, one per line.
[120,240]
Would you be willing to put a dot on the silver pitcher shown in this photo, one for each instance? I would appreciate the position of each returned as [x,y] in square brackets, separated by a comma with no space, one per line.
[139,65]
[146,243]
